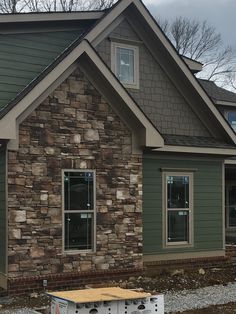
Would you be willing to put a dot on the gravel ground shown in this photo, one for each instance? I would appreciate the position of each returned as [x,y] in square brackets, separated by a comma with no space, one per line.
[199,298]
[197,291]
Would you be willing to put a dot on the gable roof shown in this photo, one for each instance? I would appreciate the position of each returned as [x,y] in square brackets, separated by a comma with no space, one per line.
[24,56]
[93,36]
[217,93]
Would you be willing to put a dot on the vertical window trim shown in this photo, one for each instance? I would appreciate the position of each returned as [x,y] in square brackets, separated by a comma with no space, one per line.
[190,243]
[115,45]
[94,213]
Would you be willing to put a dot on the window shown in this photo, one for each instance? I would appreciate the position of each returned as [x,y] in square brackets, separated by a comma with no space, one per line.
[79,210]
[178,208]
[230,205]
[231,118]
[125,64]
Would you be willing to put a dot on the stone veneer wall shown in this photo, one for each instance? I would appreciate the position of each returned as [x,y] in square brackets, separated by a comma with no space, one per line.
[74,128]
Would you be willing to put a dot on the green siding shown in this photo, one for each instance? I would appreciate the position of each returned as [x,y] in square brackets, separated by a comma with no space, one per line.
[207,200]
[23,56]
[2,211]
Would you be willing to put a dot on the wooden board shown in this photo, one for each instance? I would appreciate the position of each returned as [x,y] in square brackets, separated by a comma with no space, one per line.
[99,295]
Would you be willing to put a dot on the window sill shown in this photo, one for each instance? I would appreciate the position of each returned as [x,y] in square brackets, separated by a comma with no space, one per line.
[178,245]
[76,252]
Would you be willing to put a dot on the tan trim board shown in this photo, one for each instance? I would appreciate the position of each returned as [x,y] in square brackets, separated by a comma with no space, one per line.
[185,69]
[108,30]
[193,65]
[230,162]
[3,281]
[55,16]
[106,21]
[153,137]
[197,150]
[8,125]
[225,103]
[179,256]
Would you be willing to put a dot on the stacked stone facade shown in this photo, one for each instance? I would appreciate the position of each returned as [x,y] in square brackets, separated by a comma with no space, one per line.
[74,128]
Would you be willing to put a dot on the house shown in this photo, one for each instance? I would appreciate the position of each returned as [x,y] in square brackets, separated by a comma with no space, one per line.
[225,101]
[112,154]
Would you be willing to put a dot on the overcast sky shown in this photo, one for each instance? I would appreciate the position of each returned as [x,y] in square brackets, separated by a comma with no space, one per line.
[219,13]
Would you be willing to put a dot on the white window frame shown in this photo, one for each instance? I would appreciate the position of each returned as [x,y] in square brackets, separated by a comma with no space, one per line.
[114,46]
[188,243]
[93,212]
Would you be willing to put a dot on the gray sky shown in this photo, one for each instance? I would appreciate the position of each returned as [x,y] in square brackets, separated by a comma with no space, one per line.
[219,13]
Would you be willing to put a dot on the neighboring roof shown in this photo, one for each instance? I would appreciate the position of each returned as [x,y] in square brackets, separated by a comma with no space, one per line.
[194,141]
[217,93]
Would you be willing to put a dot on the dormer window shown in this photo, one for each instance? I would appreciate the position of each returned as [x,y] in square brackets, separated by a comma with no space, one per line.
[231,118]
[125,64]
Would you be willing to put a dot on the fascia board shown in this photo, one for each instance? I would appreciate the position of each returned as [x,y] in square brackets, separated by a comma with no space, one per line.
[153,137]
[107,20]
[8,124]
[230,162]
[196,150]
[44,17]
[149,19]
[225,103]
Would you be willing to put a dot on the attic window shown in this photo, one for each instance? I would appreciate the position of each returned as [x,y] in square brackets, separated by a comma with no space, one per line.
[125,64]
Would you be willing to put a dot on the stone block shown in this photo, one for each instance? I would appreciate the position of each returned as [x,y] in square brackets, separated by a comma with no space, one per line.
[17,216]
[39,169]
[36,252]
[14,234]
[91,135]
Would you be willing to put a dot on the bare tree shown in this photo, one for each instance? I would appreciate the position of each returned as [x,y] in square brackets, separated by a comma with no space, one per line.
[201,42]
[17,6]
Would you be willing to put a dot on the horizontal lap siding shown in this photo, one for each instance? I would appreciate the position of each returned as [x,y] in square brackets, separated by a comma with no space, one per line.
[2,212]
[207,189]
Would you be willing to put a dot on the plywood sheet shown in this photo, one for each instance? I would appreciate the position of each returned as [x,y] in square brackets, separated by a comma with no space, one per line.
[99,295]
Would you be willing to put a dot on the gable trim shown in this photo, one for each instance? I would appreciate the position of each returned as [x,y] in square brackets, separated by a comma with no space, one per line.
[96,32]
[225,103]
[9,123]
[50,16]
[152,23]
[196,150]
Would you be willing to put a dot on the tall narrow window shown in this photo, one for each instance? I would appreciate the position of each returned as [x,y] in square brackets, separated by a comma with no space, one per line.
[79,210]
[178,200]
[125,64]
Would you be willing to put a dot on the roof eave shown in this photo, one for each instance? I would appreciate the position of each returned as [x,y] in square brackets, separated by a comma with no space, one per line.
[49,16]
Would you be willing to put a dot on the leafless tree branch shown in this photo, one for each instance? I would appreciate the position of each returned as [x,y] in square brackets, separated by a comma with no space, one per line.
[201,42]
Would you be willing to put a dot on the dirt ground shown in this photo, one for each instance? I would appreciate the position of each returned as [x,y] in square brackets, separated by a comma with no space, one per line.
[167,280]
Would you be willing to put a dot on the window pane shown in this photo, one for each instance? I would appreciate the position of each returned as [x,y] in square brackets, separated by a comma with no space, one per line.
[78,194]
[125,64]
[178,226]
[232,119]
[232,206]
[178,191]
[78,231]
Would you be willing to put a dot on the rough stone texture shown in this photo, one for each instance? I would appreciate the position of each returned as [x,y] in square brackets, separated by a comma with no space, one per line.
[74,128]
[157,95]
